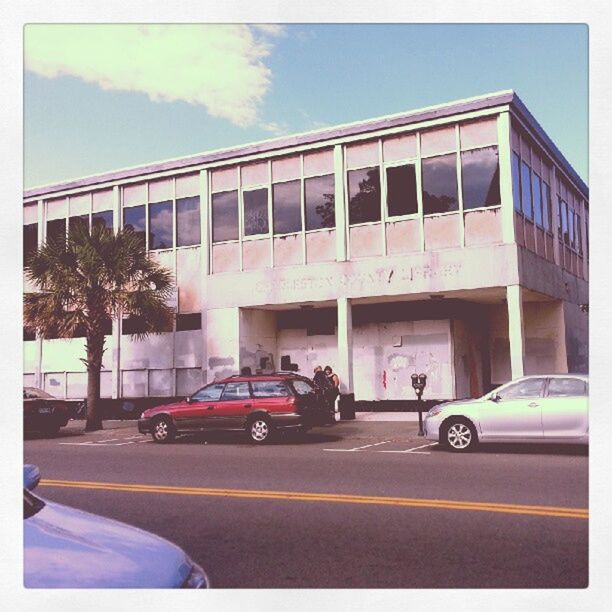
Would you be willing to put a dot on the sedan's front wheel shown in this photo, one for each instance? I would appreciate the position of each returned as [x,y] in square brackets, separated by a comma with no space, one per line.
[163,430]
[259,430]
[459,435]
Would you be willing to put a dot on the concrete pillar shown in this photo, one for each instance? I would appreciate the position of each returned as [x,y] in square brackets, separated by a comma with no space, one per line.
[41,220]
[116,331]
[515,331]
[340,205]
[554,197]
[344,367]
[205,252]
[505,176]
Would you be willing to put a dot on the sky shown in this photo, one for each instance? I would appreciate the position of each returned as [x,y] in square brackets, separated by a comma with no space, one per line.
[103,97]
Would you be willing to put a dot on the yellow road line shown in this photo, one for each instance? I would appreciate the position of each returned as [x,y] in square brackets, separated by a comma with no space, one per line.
[554,511]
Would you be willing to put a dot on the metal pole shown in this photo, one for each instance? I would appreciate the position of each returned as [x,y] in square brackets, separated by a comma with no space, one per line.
[420,401]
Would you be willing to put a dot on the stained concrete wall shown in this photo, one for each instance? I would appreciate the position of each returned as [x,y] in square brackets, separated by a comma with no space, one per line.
[258,345]
[307,351]
[544,338]
[222,342]
[468,347]
[576,338]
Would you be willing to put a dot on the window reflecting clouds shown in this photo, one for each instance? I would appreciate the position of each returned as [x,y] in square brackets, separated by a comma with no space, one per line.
[319,202]
[287,207]
[225,216]
[134,218]
[160,225]
[440,184]
[364,195]
[255,212]
[480,177]
[188,221]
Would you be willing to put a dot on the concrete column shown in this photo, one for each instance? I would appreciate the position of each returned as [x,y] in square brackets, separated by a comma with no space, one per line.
[515,330]
[116,331]
[340,205]
[205,253]
[505,176]
[41,220]
[555,216]
[344,367]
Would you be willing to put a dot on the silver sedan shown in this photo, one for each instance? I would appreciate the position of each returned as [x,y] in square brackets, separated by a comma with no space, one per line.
[540,409]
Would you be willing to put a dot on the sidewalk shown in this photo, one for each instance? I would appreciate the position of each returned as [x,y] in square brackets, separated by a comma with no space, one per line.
[388,416]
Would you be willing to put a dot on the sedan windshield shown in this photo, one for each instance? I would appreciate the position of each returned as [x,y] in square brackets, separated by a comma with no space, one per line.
[302,387]
[31,504]
[34,393]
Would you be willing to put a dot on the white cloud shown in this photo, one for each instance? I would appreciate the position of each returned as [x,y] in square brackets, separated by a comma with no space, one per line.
[220,67]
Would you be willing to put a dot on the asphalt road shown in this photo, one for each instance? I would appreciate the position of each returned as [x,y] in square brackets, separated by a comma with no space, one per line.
[354,505]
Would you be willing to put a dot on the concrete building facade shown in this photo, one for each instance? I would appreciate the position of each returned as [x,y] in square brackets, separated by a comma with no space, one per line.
[451,240]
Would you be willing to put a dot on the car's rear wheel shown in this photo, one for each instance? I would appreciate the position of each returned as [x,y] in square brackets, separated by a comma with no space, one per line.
[163,430]
[459,435]
[259,429]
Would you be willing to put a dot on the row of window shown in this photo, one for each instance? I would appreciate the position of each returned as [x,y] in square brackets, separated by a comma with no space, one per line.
[531,194]
[245,390]
[131,325]
[569,226]
[479,180]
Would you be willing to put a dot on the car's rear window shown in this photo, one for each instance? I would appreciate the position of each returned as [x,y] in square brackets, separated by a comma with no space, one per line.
[566,387]
[302,387]
[269,388]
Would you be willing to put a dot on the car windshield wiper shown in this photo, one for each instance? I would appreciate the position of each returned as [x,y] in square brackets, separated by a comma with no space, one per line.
[31,504]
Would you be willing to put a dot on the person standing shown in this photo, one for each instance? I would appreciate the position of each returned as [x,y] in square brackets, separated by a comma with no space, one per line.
[323,387]
[334,390]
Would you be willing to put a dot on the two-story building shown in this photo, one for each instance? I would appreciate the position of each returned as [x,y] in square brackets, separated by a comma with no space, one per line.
[451,240]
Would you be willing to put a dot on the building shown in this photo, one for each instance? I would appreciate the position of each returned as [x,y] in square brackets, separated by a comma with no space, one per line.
[451,240]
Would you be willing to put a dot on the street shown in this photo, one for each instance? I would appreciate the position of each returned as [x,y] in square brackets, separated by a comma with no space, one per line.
[358,504]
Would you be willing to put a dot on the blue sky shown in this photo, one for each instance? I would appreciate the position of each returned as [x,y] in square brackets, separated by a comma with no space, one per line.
[97,98]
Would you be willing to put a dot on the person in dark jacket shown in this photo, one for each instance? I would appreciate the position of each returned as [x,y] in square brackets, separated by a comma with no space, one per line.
[324,389]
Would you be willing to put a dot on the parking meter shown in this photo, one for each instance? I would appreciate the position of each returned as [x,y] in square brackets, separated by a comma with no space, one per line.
[419,381]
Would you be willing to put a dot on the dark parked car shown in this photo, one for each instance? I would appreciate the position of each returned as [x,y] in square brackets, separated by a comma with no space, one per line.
[256,404]
[43,412]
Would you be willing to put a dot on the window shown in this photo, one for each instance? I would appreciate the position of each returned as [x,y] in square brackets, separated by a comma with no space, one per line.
[401,191]
[80,222]
[480,177]
[570,227]
[532,387]
[102,219]
[134,219]
[536,185]
[56,230]
[567,387]
[188,221]
[578,234]
[319,202]
[188,322]
[364,195]
[564,224]
[255,212]
[286,204]
[526,190]
[516,181]
[269,388]
[160,225]
[209,393]
[133,325]
[225,216]
[30,241]
[546,207]
[440,184]
[302,387]
[236,391]
[107,328]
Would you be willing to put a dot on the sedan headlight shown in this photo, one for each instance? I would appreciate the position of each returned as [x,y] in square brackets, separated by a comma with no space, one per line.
[197,578]
[143,415]
[436,410]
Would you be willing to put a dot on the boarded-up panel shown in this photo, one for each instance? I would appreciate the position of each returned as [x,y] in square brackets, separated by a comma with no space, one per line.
[57,209]
[478,133]
[540,242]
[401,147]
[133,195]
[483,227]
[360,155]
[103,200]
[161,190]
[442,232]
[224,180]
[529,235]
[286,168]
[441,140]
[403,236]
[76,385]
[80,204]
[365,241]
[519,229]
[153,352]
[321,162]
[64,355]
[188,381]
[321,246]
[30,214]
[188,347]
[134,383]
[254,174]
[160,382]
[187,186]
[288,250]
[189,279]
[256,254]
[55,384]
[29,356]
[225,257]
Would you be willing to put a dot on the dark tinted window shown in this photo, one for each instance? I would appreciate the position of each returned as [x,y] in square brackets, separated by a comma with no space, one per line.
[546,207]
[516,181]
[566,387]
[401,191]
[269,388]
[225,216]
[160,225]
[56,230]
[188,221]
[287,208]
[564,225]
[440,184]
[103,219]
[255,212]
[526,190]
[136,325]
[480,177]
[30,240]
[578,234]
[532,387]
[364,195]
[187,322]
[237,390]
[302,387]
[319,202]
[134,219]
[209,393]
[107,328]
[536,187]
[79,222]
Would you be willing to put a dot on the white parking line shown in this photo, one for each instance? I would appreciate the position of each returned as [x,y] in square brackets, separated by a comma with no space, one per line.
[75,443]
[352,450]
[414,451]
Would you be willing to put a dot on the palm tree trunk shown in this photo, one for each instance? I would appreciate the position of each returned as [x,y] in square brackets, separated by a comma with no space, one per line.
[95,348]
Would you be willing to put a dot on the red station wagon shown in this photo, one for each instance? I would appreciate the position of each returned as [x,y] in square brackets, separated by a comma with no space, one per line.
[256,404]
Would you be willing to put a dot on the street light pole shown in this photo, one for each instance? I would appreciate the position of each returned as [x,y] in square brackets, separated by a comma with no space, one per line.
[418,384]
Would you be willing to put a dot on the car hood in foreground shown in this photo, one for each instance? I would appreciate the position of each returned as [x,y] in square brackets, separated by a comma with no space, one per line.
[458,403]
[69,548]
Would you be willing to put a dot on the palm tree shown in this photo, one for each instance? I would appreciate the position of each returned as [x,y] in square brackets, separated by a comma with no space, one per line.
[85,280]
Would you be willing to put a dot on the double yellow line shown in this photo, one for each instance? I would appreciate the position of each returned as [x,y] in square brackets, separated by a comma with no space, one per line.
[578,513]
